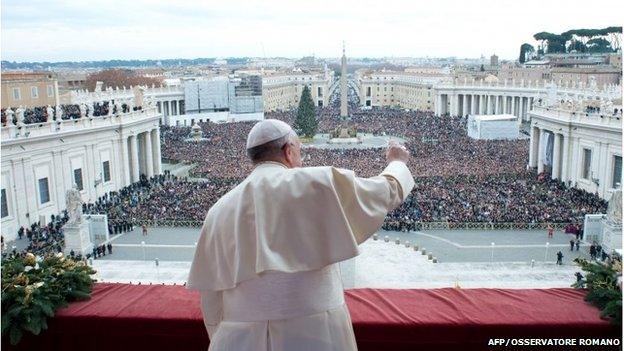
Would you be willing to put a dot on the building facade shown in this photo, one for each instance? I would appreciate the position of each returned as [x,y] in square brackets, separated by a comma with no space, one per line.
[280,91]
[397,89]
[40,162]
[460,98]
[583,149]
[29,89]
[283,91]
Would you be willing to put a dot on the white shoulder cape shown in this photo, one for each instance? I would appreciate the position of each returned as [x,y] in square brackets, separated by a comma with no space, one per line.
[292,220]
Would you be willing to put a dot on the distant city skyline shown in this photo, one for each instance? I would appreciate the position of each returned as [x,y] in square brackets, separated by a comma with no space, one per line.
[39,30]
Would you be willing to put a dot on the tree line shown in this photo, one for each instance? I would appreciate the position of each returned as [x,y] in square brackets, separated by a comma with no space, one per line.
[603,40]
[105,64]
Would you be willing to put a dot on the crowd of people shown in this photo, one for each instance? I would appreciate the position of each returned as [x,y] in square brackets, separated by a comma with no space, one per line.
[440,147]
[496,198]
[42,239]
[503,198]
[161,198]
[458,179]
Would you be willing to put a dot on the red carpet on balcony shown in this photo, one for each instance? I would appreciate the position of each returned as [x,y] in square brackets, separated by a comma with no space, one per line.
[123,317]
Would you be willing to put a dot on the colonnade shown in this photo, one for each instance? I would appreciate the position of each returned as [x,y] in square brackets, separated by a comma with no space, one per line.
[170,107]
[141,155]
[483,104]
[561,145]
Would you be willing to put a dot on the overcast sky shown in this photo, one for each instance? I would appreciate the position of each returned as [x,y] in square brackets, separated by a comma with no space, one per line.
[49,30]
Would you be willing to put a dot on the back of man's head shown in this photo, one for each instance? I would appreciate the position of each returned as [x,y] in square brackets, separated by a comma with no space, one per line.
[267,139]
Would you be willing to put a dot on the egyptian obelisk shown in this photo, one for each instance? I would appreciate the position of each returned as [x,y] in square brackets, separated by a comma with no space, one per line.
[344,111]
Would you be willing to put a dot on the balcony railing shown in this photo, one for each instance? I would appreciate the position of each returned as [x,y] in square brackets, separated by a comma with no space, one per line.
[14,132]
[591,118]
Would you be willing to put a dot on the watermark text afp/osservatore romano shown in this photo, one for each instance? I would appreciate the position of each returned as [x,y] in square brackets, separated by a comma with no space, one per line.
[545,342]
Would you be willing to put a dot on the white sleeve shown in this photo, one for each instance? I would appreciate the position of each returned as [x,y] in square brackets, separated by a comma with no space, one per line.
[366,201]
[212,309]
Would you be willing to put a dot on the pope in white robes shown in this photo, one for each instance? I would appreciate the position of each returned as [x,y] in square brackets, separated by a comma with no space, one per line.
[266,262]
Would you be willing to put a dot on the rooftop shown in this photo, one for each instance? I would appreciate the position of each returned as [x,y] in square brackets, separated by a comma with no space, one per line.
[17,76]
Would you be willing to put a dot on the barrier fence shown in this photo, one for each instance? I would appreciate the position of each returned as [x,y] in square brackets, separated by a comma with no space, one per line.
[417,225]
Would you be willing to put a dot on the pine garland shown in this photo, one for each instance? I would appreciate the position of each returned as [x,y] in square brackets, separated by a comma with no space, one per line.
[33,288]
[604,282]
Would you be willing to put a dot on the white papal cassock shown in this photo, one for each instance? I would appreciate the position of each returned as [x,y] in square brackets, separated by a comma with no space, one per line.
[266,262]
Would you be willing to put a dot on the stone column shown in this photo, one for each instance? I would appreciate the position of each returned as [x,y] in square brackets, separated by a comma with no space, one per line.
[464,105]
[533,146]
[473,106]
[134,155]
[496,105]
[486,104]
[513,105]
[438,105]
[125,160]
[57,170]
[504,104]
[540,154]
[555,174]
[485,101]
[149,161]
[156,150]
[564,159]
[449,104]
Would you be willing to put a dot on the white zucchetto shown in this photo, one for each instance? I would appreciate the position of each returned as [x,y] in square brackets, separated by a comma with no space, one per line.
[267,130]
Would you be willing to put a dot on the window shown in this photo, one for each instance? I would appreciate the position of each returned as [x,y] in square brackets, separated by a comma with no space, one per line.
[617,171]
[368,91]
[106,171]
[44,193]
[78,178]
[34,92]
[5,205]
[586,163]
[50,91]
[17,94]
